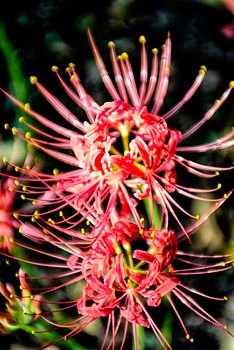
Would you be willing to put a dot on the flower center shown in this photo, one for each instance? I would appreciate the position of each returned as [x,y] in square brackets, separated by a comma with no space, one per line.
[131,141]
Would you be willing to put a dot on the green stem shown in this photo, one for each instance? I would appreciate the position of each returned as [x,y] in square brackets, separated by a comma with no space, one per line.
[156,214]
[140,337]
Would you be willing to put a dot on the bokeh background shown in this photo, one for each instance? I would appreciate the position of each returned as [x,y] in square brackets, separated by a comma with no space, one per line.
[34,35]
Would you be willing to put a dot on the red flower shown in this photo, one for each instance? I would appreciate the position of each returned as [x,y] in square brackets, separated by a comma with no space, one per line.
[125,147]
[121,280]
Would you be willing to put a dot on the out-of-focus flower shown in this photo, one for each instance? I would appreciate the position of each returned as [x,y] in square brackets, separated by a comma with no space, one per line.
[230,5]
[123,277]
[228,29]
[125,147]
[21,310]
[13,183]
[8,186]
[6,220]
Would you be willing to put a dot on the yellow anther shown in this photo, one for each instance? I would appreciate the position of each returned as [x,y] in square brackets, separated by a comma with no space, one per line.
[72,77]
[152,233]
[16,274]
[111,44]
[33,219]
[217,173]
[68,69]
[16,169]
[11,240]
[163,46]
[142,39]
[124,56]
[24,188]
[4,159]
[119,57]
[223,263]
[60,213]
[197,216]
[10,189]
[217,102]
[6,126]
[16,182]
[71,65]
[87,222]
[204,68]
[142,219]
[54,68]
[15,215]
[219,185]
[36,214]
[34,202]
[225,196]
[21,119]
[33,79]
[155,51]
[23,197]
[187,336]
[192,340]
[14,130]
[26,106]
[225,298]
[21,287]
[20,229]
[82,230]
[28,135]
[28,167]
[8,262]
[11,296]
[55,171]
[202,71]
[33,332]
[231,84]
[225,327]
[141,231]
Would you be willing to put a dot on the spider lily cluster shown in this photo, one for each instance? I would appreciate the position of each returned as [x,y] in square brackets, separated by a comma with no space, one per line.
[107,218]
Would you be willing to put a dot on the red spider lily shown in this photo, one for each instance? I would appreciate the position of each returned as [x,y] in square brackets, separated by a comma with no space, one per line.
[10,208]
[121,281]
[125,147]
[8,222]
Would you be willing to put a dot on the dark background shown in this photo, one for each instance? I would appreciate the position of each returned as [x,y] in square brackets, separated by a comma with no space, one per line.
[46,33]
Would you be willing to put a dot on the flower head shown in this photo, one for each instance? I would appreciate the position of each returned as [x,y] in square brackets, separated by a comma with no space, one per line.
[125,152]
[8,191]
[12,185]
[124,277]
